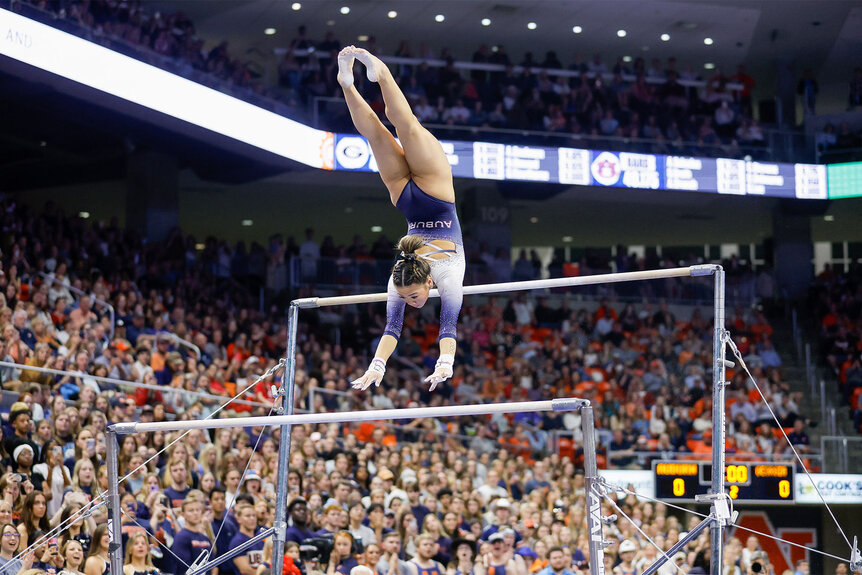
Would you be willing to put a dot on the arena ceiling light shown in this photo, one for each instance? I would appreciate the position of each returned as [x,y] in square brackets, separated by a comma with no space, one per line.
[531,26]
[621,33]
[392,14]
[83,215]
[269,31]
[665,37]
[577,29]
[486,21]
[708,41]
[247,223]
[376,229]
[296,6]
[439,18]
[345,10]
[709,66]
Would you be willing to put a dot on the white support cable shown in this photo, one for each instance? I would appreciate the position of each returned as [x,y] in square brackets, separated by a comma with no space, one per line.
[738,356]
[767,535]
[263,376]
[135,521]
[641,531]
[241,481]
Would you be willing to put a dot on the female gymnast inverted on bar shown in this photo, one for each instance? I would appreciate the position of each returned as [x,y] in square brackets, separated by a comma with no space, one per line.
[419,180]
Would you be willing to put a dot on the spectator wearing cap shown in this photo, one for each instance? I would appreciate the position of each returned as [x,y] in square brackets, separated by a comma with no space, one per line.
[299,529]
[498,559]
[557,563]
[502,511]
[628,554]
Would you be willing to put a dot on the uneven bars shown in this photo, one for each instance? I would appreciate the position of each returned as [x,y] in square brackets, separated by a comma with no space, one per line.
[699,270]
[562,404]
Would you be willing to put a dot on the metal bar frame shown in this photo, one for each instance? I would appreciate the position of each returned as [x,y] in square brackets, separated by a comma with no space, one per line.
[231,553]
[596,542]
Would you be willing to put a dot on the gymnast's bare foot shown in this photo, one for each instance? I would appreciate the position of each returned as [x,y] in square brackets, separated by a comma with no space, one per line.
[374,66]
[345,66]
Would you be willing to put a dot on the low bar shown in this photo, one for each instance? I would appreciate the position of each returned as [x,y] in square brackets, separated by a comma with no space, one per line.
[699,270]
[561,404]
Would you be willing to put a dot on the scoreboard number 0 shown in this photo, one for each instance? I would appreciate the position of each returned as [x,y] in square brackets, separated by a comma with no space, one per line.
[679,487]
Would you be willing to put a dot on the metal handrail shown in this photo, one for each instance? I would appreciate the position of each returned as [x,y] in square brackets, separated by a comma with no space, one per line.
[843,458]
[125,383]
[80,293]
[186,343]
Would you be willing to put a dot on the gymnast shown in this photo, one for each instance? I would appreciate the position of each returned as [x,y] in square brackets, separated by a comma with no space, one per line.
[419,180]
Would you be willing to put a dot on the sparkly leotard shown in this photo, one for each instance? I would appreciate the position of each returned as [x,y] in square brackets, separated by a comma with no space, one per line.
[432,219]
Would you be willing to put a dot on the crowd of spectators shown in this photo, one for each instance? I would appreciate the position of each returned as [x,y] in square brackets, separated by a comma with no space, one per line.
[475,494]
[836,301]
[631,105]
[638,105]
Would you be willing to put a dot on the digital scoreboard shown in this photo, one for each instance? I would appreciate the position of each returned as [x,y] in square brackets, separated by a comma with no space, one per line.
[745,482]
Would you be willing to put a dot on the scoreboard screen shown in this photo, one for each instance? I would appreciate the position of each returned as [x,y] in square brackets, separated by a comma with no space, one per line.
[744,482]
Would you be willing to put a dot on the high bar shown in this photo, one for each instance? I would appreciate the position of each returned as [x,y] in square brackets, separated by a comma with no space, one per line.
[699,270]
[561,404]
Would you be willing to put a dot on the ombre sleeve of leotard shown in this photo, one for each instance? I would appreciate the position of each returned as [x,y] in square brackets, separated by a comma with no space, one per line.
[394,311]
[448,274]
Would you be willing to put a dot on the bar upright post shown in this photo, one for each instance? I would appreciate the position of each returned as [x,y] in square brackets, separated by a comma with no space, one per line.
[718,427]
[594,502]
[288,394]
[115,548]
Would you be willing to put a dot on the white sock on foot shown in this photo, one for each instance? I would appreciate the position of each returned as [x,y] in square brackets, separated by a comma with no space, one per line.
[366,59]
[345,69]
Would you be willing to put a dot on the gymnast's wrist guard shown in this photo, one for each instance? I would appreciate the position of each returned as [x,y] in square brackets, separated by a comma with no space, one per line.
[445,360]
[378,366]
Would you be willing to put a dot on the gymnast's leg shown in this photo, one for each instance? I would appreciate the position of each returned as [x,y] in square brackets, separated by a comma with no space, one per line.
[429,167]
[391,162]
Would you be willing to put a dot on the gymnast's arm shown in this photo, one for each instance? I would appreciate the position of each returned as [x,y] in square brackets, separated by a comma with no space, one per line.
[451,288]
[388,341]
